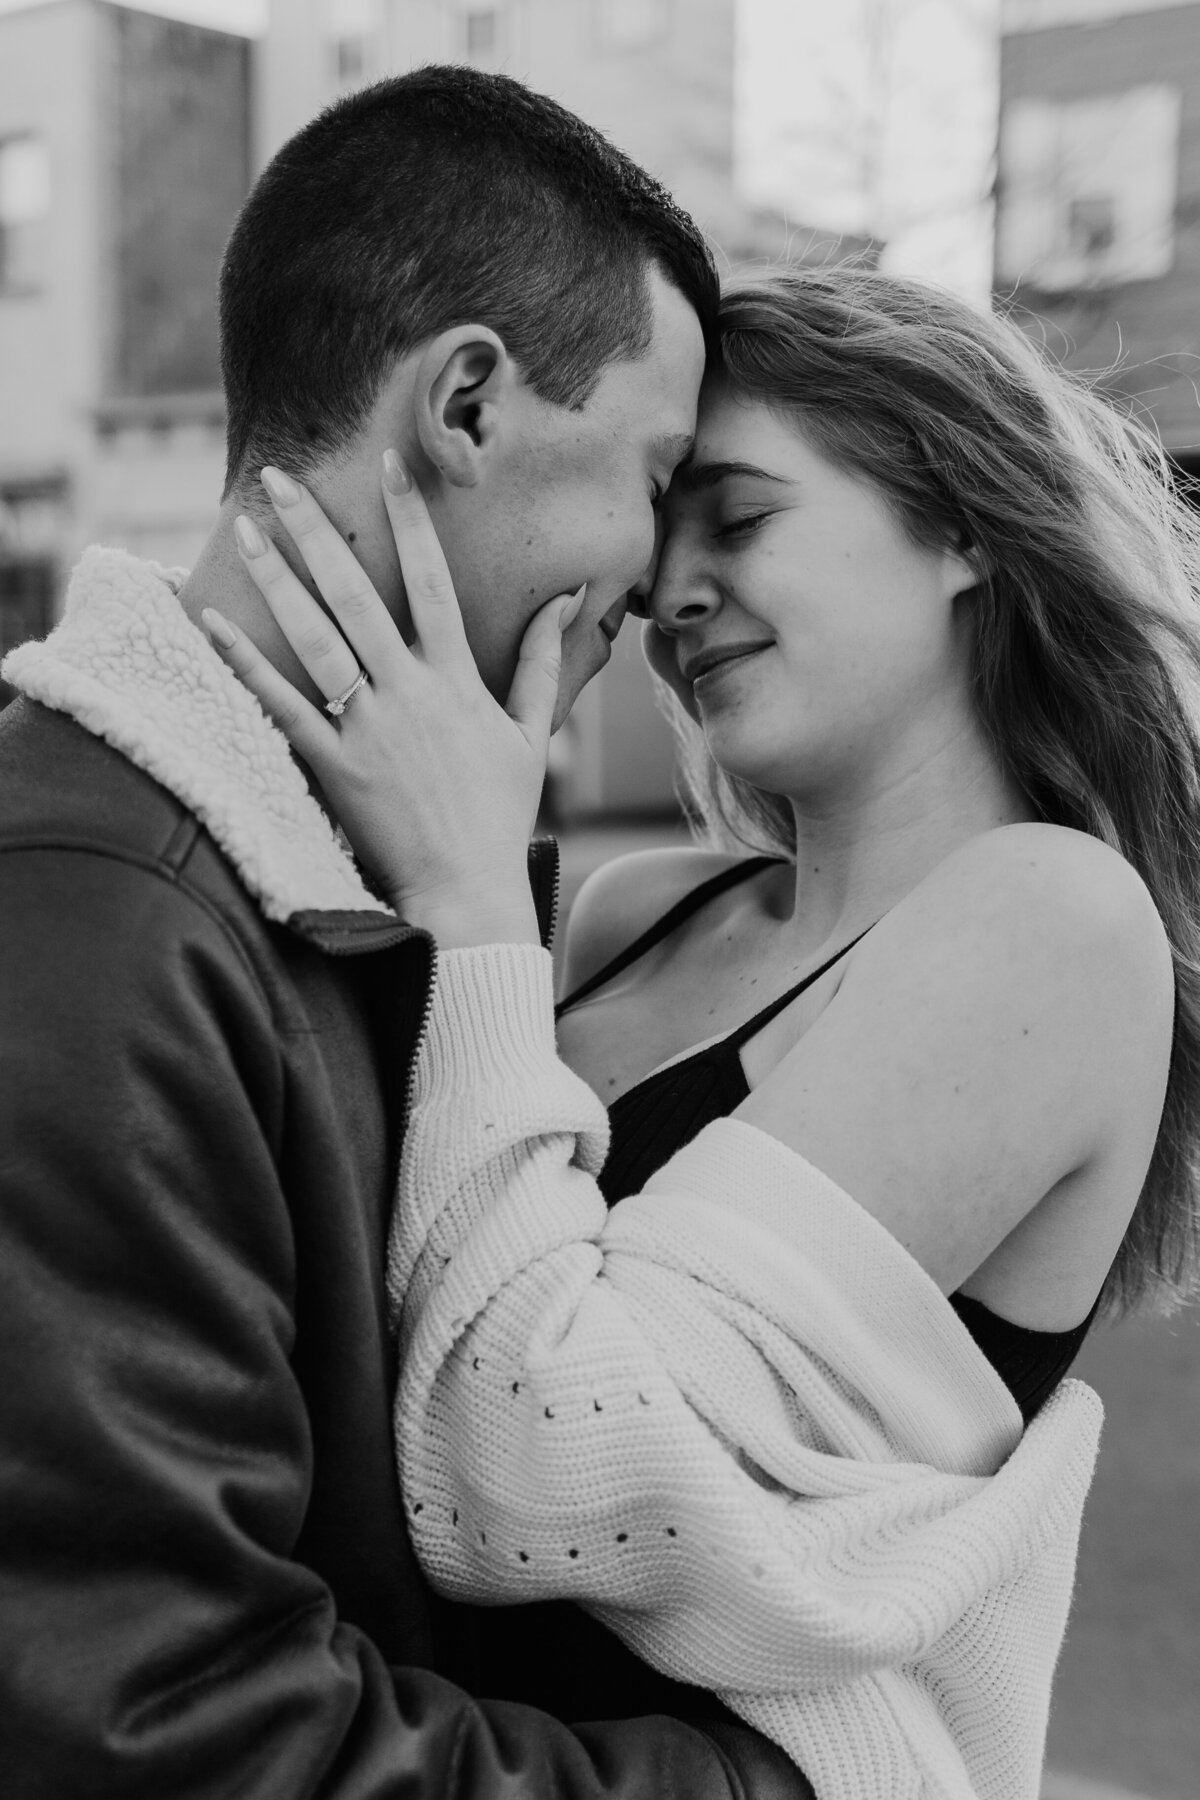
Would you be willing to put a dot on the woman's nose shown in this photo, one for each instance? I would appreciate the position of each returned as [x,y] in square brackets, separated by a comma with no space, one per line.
[681,593]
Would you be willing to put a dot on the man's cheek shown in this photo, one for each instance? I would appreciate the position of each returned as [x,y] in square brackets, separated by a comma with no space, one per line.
[630,549]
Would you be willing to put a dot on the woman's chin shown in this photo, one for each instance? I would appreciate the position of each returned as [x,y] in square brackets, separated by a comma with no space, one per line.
[738,761]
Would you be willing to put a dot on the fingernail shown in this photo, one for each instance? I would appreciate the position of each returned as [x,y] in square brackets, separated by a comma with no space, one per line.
[219,629]
[251,541]
[569,610]
[281,487]
[396,478]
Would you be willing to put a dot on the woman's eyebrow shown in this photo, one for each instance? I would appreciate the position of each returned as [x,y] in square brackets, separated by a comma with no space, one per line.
[694,475]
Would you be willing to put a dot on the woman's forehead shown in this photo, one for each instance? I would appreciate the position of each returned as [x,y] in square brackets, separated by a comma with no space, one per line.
[741,434]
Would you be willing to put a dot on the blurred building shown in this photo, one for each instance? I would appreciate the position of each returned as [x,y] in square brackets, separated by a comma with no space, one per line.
[1098,217]
[127,143]
[124,155]
[657,76]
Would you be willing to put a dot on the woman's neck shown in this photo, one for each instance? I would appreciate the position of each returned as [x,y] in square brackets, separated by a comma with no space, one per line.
[860,852]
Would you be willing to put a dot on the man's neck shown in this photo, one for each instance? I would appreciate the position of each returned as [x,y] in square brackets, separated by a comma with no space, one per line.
[219,580]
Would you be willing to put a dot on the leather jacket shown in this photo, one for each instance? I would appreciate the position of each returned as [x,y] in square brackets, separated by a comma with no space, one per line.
[206,1587]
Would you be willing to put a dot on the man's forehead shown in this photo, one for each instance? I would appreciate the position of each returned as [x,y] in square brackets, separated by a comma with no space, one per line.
[672,366]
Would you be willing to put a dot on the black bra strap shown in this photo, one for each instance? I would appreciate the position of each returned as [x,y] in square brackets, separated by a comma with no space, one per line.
[683,909]
[737,1038]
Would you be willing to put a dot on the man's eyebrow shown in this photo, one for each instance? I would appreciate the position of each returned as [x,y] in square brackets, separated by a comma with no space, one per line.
[706,475]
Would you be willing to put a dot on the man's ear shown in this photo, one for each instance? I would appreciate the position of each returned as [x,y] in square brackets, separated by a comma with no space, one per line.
[464,377]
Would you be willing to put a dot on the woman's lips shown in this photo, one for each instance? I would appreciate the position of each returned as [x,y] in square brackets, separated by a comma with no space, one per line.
[733,661]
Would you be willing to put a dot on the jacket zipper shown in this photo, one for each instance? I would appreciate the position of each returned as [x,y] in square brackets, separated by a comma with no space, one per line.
[410,1079]
[555,886]
[536,852]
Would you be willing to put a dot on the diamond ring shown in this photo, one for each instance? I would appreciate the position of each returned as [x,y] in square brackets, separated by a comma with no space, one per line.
[338,706]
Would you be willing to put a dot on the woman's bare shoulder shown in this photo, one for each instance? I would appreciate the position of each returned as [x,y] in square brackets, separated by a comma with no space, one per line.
[1005,1028]
[1047,879]
[1051,908]
[624,897]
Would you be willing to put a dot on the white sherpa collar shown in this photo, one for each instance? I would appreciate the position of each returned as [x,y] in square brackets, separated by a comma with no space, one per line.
[127,664]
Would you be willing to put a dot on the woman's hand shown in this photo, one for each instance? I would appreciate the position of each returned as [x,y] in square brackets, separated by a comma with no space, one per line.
[433,782]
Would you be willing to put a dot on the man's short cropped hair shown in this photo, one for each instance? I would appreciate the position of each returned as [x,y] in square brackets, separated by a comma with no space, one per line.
[442,197]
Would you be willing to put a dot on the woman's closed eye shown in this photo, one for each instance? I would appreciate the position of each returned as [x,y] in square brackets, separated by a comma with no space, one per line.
[743,525]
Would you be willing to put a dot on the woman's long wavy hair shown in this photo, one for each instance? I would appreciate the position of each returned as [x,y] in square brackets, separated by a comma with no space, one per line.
[1087,652]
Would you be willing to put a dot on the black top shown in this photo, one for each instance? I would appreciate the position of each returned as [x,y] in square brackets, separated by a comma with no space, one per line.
[667,1110]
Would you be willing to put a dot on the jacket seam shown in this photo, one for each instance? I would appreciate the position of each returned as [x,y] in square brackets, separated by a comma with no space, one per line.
[181,842]
[737,1788]
[170,877]
[225,1669]
[456,1752]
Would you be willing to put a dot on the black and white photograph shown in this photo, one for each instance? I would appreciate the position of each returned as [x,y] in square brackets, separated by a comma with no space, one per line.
[599,899]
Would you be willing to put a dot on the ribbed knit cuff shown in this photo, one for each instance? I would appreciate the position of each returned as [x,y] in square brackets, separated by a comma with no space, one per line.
[491,1023]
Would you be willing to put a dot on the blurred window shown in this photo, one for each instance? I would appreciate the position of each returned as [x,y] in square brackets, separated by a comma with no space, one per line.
[351,30]
[631,24]
[350,60]
[24,212]
[1088,189]
[26,604]
[482,32]
[1092,224]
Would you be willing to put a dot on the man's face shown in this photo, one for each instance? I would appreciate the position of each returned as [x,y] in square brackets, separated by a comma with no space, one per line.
[569,498]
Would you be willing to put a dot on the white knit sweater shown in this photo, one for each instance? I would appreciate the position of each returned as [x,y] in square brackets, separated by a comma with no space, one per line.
[732,1416]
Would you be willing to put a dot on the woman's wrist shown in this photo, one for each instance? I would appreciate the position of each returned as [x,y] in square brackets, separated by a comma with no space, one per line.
[464,915]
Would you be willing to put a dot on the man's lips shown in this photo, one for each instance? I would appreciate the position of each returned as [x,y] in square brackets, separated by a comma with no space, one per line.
[692,668]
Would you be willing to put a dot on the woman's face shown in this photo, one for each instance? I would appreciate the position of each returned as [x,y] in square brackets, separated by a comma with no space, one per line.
[800,625]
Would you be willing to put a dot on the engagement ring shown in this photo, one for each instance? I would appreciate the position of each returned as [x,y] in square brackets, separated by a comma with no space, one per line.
[338,706]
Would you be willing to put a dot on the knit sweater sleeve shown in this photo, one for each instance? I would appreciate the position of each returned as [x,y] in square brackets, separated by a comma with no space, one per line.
[732,1416]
